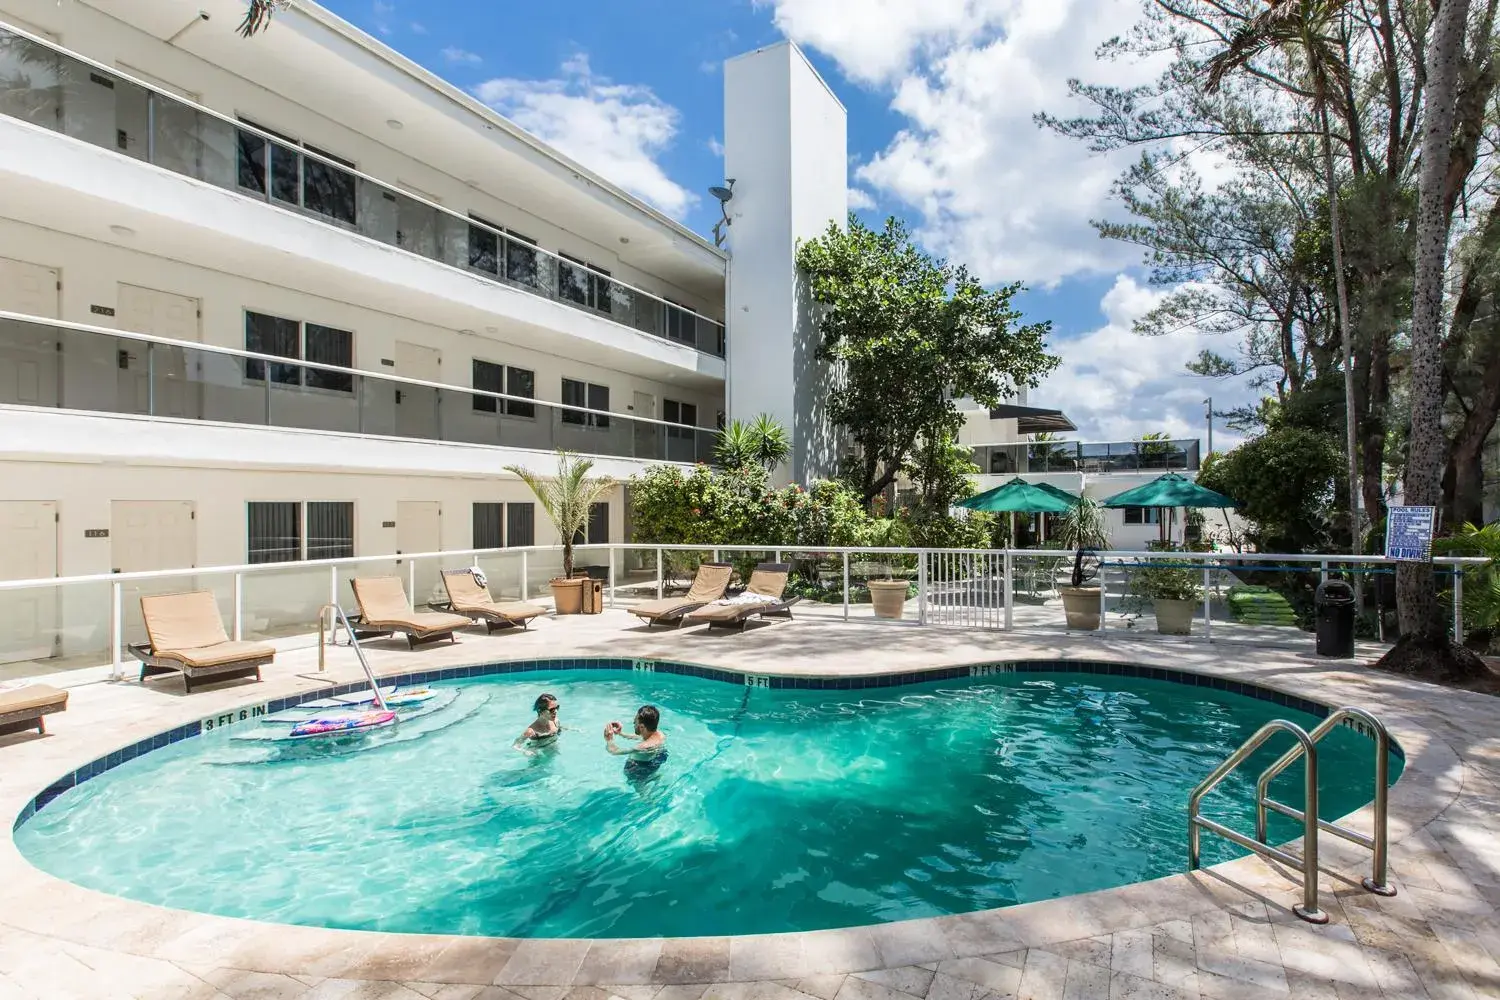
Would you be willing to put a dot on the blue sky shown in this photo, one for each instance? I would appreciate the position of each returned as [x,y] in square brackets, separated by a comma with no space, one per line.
[940,96]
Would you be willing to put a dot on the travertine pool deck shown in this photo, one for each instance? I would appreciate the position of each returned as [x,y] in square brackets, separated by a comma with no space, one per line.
[1224,933]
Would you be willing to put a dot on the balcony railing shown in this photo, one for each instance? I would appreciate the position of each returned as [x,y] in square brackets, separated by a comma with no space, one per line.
[78,367]
[59,90]
[1079,456]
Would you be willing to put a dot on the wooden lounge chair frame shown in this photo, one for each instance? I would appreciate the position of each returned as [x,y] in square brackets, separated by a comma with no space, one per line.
[781,608]
[672,610]
[29,712]
[408,625]
[172,647]
[491,612]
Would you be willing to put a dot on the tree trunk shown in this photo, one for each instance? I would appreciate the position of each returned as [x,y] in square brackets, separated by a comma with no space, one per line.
[1424,646]
[1346,338]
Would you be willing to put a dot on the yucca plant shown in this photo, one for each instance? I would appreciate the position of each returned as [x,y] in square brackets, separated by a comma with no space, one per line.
[567,497]
[762,441]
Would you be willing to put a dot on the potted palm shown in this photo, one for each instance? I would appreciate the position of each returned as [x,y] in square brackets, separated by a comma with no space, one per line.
[888,595]
[567,498]
[1083,529]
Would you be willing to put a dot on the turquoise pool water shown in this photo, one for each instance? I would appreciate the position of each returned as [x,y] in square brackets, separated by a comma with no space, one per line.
[776,810]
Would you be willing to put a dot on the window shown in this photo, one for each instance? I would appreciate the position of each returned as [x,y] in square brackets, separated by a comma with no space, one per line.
[520,258]
[682,324]
[674,412]
[512,381]
[279,169]
[597,532]
[330,530]
[489,520]
[595,397]
[680,440]
[276,530]
[484,247]
[287,338]
[520,524]
[583,283]
[1142,515]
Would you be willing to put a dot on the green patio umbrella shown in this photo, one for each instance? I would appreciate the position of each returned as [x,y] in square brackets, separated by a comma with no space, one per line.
[1169,492]
[1020,497]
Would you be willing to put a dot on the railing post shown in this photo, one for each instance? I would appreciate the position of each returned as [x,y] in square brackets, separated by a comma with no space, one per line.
[411,581]
[150,126]
[1458,605]
[1208,605]
[846,585]
[1103,596]
[611,576]
[1323,571]
[150,378]
[1309,909]
[922,587]
[333,586]
[524,574]
[661,574]
[1008,592]
[239,607]
[116,630]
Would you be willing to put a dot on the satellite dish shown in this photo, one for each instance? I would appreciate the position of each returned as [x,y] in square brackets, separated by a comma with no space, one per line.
[721,193]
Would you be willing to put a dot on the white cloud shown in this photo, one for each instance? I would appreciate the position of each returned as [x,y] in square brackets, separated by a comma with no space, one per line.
[715,146]
[860,200]
[992,189]
[616,129]
[1117,385]
[418,28]
[454,54]
[383,11]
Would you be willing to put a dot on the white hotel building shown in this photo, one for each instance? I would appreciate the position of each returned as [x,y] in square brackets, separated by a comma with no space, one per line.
[296,297]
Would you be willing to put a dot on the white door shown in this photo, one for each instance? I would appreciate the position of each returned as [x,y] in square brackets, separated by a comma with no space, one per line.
[159,314]
[646,435]
[28,354]
[28,618]
[147,535]
[419,528]
[417,406]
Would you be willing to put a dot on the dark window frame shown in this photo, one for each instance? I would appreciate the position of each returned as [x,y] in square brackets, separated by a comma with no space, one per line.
[520,531]
[305,516]
[488,525]
[279,170]
[513,381]
[593,396]
[295,371]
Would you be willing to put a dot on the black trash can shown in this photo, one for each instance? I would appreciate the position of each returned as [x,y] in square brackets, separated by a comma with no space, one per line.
[1335,612]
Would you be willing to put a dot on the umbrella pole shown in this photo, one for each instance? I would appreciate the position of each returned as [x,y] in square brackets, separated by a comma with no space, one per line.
[1013,530]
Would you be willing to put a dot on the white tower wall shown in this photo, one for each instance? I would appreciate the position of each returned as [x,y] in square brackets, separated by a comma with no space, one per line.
[786,146]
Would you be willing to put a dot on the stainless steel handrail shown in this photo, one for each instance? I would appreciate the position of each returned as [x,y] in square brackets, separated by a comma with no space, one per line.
[1308,862]
[1377,842]
[339,616]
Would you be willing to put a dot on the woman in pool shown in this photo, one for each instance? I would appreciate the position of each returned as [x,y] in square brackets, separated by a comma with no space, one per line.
[543,731]
[649,753]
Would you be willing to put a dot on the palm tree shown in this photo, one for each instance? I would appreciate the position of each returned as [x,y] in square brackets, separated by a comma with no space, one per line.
[1311,33]
[258,15]
[762,442]
[1416,590]
[568,498]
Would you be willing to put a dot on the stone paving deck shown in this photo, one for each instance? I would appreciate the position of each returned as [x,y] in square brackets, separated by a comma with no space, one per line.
[1223,934]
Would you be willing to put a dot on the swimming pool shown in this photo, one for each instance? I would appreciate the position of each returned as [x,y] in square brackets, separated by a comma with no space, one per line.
[777,809]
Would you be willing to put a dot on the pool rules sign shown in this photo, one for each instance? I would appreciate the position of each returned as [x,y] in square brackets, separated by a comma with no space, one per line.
[1408,533]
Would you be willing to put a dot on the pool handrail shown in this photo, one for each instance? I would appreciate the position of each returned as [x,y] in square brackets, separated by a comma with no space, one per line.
[1377,841]
[1308,863]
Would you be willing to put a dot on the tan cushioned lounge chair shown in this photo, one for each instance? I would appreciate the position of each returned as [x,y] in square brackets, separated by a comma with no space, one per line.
[23,709]
[769,582]
[467,597]
[383,607]
[709,584]
[187,636]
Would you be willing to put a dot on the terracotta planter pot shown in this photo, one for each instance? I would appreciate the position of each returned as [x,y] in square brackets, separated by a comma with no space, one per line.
[888,597]
[567,595]
[1081,606]
[1174,617]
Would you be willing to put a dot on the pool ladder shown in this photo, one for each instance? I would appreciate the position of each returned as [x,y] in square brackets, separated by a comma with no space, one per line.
[339,617]
[1305,747]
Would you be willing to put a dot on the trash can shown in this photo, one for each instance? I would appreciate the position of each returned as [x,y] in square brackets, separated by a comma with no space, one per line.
[593,595]
[1335,612]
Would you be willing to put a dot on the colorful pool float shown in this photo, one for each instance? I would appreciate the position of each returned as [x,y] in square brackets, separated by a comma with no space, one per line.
[336,725]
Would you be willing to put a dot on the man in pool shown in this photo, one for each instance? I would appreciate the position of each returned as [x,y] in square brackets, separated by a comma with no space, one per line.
[649,753]
[544,730]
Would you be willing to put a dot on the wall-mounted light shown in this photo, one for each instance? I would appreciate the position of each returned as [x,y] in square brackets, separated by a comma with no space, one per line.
[725,195]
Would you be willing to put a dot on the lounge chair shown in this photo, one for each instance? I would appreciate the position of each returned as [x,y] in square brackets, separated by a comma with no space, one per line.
[384,609]
[467,597]
[187,637]
[762,598]
[24,708]
[709,584]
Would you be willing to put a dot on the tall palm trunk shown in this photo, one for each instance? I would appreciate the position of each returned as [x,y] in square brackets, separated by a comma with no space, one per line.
[1416,590]
[1346,337]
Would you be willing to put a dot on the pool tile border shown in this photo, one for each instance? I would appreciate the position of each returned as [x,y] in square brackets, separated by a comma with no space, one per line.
[1188,678]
